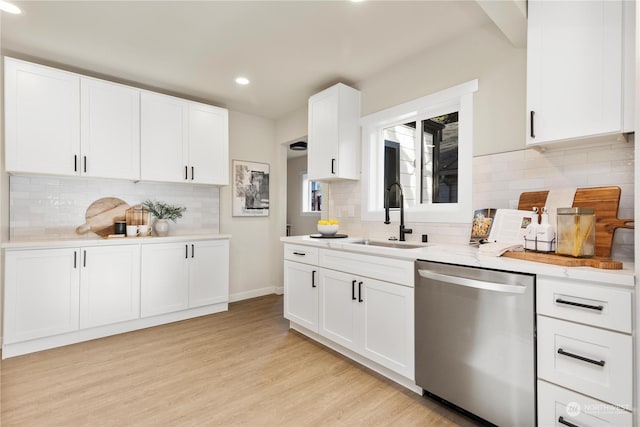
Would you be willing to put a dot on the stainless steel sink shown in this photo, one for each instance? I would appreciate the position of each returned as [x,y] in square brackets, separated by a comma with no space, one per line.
[390,244]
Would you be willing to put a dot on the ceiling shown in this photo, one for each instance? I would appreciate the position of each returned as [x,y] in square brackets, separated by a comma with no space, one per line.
[195,49]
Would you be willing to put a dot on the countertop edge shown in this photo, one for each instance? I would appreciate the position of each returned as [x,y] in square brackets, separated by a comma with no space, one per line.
[71,243]
[469,256]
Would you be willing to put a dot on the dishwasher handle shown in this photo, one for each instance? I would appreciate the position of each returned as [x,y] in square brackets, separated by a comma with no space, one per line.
[473,283]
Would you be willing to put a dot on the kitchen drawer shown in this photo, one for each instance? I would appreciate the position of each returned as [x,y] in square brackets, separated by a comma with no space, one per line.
[584,302]
[609,380]
[555,402]
[300,253]
[377,267]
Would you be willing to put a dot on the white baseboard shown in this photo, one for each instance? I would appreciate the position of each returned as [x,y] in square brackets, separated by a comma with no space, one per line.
[254,293]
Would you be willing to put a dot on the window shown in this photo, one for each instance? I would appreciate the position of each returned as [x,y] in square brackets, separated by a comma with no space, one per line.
[426,146]
[311,196]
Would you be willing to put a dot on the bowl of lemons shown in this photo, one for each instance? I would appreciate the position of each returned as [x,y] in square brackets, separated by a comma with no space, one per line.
[328,227]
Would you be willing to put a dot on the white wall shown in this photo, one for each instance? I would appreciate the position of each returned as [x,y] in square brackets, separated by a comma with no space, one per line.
[255,249]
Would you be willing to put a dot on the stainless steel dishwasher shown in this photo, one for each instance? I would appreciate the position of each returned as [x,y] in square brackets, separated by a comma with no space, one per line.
[475,341]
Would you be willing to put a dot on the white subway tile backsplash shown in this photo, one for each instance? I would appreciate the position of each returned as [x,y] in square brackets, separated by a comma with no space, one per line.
[498,181]
[52,208]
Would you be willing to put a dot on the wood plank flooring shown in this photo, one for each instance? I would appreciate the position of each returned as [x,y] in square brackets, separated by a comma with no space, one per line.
[242,367]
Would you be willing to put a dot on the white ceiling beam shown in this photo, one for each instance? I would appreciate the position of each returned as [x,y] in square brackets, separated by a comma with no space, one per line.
[510,16]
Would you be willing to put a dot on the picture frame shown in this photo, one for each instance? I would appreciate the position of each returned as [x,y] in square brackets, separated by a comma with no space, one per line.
[250,188]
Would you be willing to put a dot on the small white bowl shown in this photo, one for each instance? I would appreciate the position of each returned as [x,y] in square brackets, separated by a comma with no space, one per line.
[328,230]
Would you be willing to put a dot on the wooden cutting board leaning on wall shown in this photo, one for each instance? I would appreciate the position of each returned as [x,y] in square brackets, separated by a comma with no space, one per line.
[605,202]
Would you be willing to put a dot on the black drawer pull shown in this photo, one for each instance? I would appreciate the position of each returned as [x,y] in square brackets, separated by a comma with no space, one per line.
[360,292]
[582,358]
[75,163]
[313,278]
[577,304]
[85,164]
[299,253]
[193,174]
[353,290]
[561,420]
[333,166]
[186,172]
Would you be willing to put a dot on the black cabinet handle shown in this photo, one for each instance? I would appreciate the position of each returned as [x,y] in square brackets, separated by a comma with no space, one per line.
[193,174]
[186,251]
[75,259]
[85,164]
[75,163]
[313,278]
[353,290]
[299,253]
[84,261]
[582,358]
[360,292]
[561,420]
[577,304]
[193,251]
[186,172]
[333,166]
[531,115]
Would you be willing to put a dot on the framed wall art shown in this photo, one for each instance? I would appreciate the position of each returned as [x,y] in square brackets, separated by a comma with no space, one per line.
[250,188]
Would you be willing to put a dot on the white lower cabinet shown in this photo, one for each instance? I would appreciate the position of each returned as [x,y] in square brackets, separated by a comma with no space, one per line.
[109,285]
[41,293]
[370,317]
[177,276]
[301,294]
[59,296]
[585,372]
[54,291]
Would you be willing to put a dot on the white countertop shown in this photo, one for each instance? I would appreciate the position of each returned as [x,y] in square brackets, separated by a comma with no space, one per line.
[467,255]
[93,240]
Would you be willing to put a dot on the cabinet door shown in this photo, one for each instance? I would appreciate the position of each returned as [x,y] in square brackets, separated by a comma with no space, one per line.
[574,69]
[163,138]
[323,135]
[301,294]
[41,293]
[208,272]
[338,308]
[110,130]
[387,325]
[208,144]
[164,278]
[42,119]
[110,285]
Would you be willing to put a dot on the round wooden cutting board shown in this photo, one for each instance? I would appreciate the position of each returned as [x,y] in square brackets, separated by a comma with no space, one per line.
[101,215]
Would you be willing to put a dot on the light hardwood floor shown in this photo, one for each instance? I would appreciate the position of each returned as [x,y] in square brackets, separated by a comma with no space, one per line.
[242,367]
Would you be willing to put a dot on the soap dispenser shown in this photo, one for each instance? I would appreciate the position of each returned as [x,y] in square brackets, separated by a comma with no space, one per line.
[531,231]
[545,233]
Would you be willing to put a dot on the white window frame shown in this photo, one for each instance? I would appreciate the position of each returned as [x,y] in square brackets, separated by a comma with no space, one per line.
[458,98]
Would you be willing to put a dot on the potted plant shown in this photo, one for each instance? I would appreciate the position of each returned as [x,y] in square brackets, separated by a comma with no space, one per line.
[163,212]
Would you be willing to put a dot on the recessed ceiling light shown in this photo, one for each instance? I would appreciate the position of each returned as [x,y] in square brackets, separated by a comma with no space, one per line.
[242,80]
[10,8]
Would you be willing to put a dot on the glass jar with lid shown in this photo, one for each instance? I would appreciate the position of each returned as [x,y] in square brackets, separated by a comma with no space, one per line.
[576,232]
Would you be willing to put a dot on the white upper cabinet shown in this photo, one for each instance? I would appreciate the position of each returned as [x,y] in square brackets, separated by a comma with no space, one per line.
[183,141]
[163,131]
[62,123]
[208,144]
[334,134]
[42,119]
[110,130]
[577,80]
